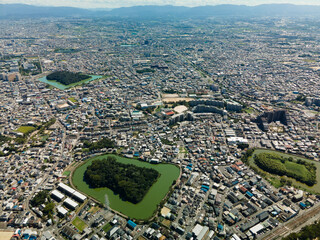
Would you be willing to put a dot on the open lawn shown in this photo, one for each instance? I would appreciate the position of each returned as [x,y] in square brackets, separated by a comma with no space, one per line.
[44,138]
[66,173]
[183,150]
[107,227]
[94,209]
[72,99]
[79,224]
[249,110]
[309,60]
[275,181]
[296,168]
[26,129]
[166,222]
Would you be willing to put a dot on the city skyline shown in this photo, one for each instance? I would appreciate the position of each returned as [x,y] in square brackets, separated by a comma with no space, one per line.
[129,3]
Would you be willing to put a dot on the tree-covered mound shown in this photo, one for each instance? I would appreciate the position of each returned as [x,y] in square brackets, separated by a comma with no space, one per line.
[66,77]
[300,170]
[103,143]
[127,180]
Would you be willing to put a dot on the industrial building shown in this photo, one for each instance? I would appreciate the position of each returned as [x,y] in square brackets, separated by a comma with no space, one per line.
[69,203]
[199,232]
[62,211]
[71,192]
[55,194]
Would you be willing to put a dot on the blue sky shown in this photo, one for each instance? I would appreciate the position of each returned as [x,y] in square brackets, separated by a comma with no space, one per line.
[126,3]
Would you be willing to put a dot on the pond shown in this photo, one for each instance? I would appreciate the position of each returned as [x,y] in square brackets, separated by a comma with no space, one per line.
[63,87]
[142,210]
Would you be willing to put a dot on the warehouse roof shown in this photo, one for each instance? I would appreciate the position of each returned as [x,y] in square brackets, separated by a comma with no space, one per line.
[66,188]
[79,196]
[57,194]
[62,210]
[70,202]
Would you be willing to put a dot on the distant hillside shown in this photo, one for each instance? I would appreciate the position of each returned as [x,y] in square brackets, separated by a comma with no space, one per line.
[219,10]
[150,11]
[27,11]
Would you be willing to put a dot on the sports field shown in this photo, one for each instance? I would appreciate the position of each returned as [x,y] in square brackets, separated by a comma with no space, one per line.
[79,224]
[25,129]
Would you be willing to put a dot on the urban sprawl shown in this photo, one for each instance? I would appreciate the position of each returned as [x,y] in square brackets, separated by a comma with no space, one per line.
[207,95]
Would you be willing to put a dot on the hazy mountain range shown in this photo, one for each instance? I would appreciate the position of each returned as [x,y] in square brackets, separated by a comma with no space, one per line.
[28,11]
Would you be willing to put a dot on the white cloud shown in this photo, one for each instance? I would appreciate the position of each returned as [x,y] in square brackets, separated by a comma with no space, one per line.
[125,3]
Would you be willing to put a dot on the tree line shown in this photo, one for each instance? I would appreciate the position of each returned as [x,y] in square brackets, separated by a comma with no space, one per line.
[245,157]
[127,180]
[3,139]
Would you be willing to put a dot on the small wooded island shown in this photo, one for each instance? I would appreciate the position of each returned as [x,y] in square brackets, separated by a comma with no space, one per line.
[129,181]
[66,77]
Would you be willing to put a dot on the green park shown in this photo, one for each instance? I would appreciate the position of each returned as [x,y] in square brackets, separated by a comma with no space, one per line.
[281,169]
[142,208]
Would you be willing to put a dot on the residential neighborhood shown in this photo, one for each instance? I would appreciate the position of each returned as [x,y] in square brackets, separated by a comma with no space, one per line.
[205,96]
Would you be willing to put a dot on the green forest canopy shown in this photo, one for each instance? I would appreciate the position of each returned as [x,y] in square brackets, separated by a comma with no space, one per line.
[103,143]
[66,77]
[300,170]
[127,180]
[3,139]
[39,199]
[43,198]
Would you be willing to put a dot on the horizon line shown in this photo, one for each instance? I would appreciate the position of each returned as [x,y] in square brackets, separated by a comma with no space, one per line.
[160,5]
